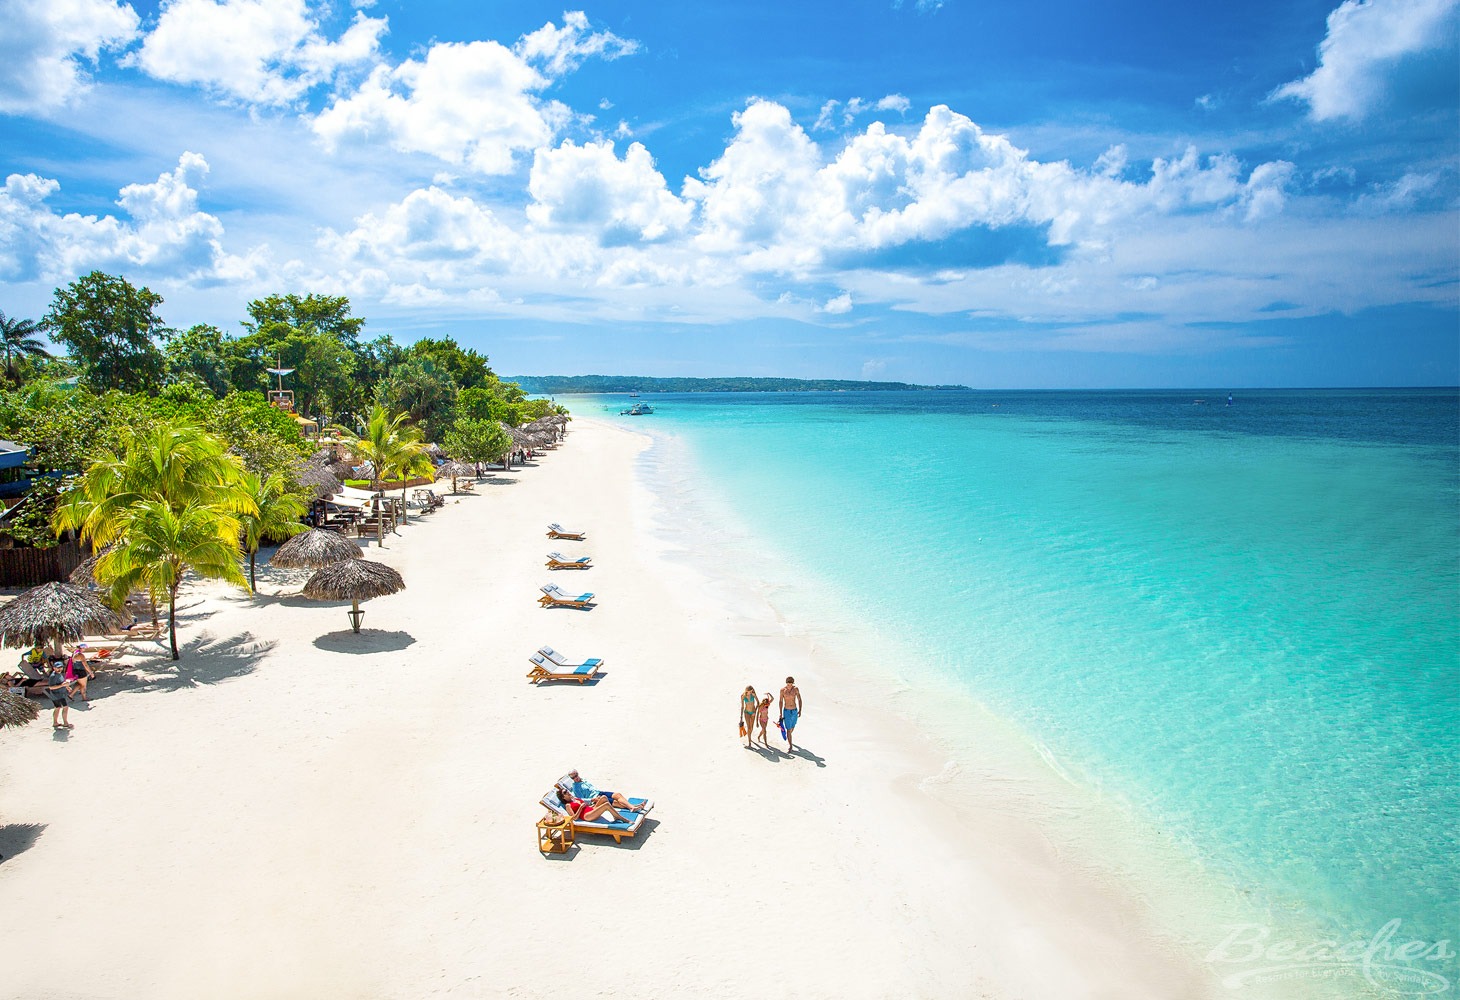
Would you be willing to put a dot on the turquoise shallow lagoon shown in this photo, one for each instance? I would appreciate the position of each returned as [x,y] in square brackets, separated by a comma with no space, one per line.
[1241,621]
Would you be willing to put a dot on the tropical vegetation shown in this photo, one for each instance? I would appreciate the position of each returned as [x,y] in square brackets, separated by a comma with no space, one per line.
[169,503]
[159,447]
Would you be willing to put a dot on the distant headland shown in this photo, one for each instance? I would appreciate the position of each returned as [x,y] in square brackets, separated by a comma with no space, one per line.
[555,385]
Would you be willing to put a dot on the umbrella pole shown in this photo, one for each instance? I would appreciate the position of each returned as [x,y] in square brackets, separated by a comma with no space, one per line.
[355,615]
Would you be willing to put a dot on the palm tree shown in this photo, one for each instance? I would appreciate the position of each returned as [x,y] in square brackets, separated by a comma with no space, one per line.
[178,463]
[19,339]
[166,505]
[393,446]
[163,544]
[276,518]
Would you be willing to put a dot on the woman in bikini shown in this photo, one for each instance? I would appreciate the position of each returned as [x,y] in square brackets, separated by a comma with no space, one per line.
[79,671]
[591,810]
[748,703]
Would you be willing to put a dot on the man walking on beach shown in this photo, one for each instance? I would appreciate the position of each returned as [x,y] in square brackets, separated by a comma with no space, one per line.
[790,711]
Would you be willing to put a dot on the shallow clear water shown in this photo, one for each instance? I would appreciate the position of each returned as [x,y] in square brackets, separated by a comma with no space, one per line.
[1243,621]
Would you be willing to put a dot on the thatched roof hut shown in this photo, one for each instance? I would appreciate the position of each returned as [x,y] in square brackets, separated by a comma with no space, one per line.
[315,549]
[353,580]
[16,710]
[318,477]
[54,613]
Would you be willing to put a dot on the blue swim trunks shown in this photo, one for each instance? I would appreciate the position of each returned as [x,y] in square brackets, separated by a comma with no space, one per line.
[788,718]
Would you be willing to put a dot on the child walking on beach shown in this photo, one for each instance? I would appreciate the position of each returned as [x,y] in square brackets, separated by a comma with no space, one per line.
[763,716]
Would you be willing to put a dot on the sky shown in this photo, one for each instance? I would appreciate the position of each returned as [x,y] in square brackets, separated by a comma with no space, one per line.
[1030,194]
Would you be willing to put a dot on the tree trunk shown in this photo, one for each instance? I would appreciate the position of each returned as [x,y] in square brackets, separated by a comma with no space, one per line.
[253,583]
[172,618]
[404,513]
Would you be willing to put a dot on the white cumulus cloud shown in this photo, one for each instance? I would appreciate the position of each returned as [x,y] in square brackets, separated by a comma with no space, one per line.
[469,103]
[165,233]
[43,44]
[560,50]
[1366,39]
[476,104]
[267,52]
[588,186]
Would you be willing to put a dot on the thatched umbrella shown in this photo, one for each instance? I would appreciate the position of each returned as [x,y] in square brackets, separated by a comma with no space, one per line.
[436,451]
[341,470]
[84,575]
[318,477]
[353,580]
[54,613]
[315,549]
[15,710]
[454,469]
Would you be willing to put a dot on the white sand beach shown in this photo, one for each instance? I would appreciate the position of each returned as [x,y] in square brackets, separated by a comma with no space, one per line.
[298,811]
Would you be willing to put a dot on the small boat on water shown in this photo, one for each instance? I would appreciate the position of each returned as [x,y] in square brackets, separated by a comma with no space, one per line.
[637,410]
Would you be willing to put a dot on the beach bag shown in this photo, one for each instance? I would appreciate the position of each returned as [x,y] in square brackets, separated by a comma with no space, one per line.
[742,727]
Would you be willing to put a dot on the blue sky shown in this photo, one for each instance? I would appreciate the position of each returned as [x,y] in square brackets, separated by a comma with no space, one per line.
[1032,194]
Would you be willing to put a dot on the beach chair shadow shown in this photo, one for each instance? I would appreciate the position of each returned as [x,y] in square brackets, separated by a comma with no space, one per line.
[16,838]
[367,640]
[646,830]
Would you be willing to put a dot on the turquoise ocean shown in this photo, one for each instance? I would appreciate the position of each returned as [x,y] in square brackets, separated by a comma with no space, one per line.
[1240,621]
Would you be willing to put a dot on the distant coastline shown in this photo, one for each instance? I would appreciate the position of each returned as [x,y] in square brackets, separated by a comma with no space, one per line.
[554,385]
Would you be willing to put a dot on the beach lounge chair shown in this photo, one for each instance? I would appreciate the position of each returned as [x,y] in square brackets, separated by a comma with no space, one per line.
[138,630]
[559,660]
[557,531]
[100,649]
[552,597]
[618,831]
[556,560]
[545,670]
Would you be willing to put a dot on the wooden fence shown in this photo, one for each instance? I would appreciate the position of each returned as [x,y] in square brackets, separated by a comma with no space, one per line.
[31,567]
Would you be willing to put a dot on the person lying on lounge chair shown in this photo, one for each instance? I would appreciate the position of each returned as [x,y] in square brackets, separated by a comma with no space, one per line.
[590,809]
[581,789]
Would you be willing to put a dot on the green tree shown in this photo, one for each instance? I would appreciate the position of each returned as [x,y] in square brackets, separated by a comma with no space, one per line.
[171,502]
[374,361]
[19,340]
[201,354]
[107,324]
[66,427]
[421,392]
[162,543]
[324,368]
[277,510]
[393,446]
[477,441]
[329,314]
[466,368]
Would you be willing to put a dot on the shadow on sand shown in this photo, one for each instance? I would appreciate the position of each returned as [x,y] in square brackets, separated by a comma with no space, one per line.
[367,640]
[18,837]
[805,754]
[204,660]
